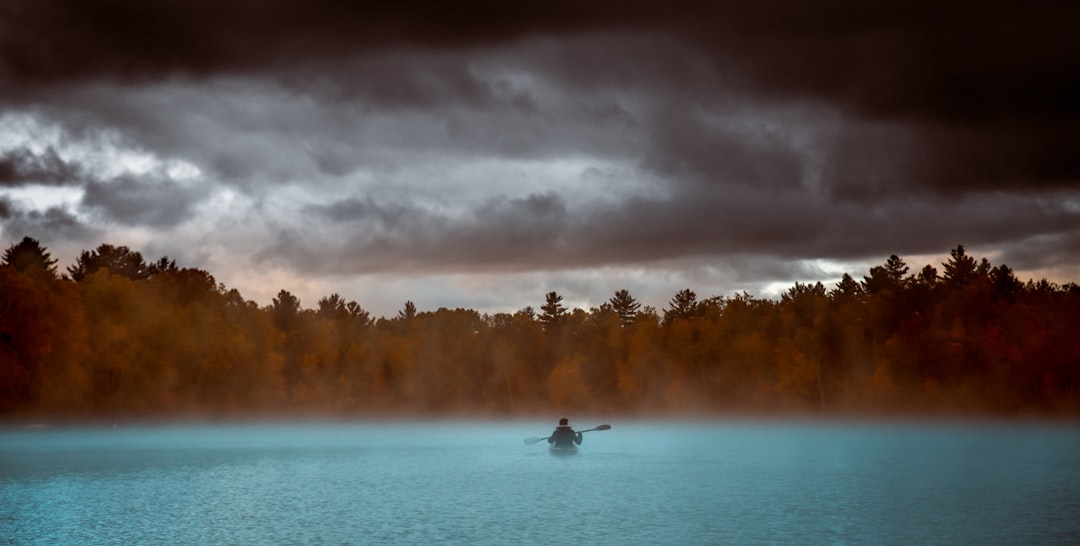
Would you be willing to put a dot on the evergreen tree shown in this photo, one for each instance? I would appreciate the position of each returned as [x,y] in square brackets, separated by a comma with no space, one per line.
[1004,282]
[408,312]
[847,289]
[332,307]
[960,269]
[896,268]
[552,312]
[285,310]
[624,305]
[357,313]
[118,260]
[683,306]
[179,342]
[30,258]
[163,265]
[286,318]
[888,277]
[801,290]
[927,277]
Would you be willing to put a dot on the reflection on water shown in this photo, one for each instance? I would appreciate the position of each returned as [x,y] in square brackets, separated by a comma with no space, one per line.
[645,483]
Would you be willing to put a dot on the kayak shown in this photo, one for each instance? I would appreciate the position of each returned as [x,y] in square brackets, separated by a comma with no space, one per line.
[569,449]
[562,450]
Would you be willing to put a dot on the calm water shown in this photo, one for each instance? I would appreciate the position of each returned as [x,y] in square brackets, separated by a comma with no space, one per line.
[640,483]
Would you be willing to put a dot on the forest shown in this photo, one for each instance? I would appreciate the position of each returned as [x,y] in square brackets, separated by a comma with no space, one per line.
[115,336]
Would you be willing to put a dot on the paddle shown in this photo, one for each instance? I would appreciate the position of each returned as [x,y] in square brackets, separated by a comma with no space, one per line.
[531,441]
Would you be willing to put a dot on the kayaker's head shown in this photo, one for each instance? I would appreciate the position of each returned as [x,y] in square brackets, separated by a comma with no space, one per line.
[564,422]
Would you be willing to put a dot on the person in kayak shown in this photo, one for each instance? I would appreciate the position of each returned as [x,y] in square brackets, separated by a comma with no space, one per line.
[564,436]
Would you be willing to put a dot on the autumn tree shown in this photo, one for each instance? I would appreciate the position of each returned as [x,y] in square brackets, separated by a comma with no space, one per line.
[451,362]
[285,308]
[170,341]
[566,387]
[286,318]
[186,286]
[255,380]
[845,331]
[800,351]
[638,374]
[113,309]
[517,358]
[347,324]
[42,343]
[890,304]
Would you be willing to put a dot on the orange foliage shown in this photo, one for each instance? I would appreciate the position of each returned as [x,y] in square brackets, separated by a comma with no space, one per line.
[566,390]
[176,344]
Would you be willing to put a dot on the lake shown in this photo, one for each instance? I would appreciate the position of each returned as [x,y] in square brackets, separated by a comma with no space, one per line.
[725,482]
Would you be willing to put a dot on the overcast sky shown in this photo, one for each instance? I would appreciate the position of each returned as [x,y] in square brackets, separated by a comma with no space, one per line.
[481,154]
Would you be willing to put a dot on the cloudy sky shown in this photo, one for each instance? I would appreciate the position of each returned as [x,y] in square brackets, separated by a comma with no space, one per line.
[480,154]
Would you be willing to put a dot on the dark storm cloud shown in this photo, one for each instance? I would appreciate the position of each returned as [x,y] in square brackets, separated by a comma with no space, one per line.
[328,124]
[499,234]
[989,92]
[141,201]
[793,225]
[1044,251]
[63,39]
[877,162]
[21,167]
[961,61]
[546,232]
[989,87]
[52,224]
[778,129]
[687,146]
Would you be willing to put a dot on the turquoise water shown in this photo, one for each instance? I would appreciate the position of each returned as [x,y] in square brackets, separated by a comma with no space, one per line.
[478,483]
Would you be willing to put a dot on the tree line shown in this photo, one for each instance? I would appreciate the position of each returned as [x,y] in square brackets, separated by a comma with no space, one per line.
[117,336]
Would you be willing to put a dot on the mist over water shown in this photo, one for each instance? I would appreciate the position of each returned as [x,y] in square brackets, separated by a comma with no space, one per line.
[476,482]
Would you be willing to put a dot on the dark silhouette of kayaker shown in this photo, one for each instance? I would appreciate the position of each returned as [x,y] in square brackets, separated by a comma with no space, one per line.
[564,436]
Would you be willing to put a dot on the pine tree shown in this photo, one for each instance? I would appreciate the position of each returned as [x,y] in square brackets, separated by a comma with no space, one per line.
[408,312]
[552,312]
[624,305]
[285,310]
[332,307]
[119,260]
[960,269]
[847,289]
[30,258]
[682,306]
